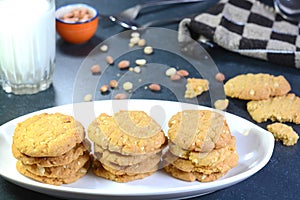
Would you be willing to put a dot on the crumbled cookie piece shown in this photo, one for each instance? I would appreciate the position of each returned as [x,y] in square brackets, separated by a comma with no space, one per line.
[283,109]
[195,87]
[284,133]
[256,86]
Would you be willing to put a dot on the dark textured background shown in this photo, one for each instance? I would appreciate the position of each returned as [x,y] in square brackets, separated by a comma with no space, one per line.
[278,180]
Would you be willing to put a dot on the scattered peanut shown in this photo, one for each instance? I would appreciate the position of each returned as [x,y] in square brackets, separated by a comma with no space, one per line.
[175,77]
[77,15]
[109,60]
[135,35]
[96,69]
[183,73]
[137,69]
[220,77]
[87,97]
[134,40]
[104,48]
[104,88]
[141,42]
[221,104]
[127,86]
[140,62]
[171,71]
[121,96]
[124,64]
[131,45]
[148,50]
[154,87]
[113,83]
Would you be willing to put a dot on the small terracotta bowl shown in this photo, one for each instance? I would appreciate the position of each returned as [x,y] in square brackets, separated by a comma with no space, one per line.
[72,29]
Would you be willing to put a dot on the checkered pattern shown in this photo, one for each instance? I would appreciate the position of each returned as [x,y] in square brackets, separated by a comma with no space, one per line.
[249,28]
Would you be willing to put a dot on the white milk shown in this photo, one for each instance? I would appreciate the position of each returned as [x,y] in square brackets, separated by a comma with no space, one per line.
[27,45]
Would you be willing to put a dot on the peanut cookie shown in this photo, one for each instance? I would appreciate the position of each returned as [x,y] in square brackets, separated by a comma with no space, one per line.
[284,133]
[101,172]
[222,165]
[47,135]
[199,159]
[283,109]
[256,86]
[199,130]
[59,171]
[192,176]
[195,87]
[120,159]
[64,159]
[54,181]
[127,132]
[148,165]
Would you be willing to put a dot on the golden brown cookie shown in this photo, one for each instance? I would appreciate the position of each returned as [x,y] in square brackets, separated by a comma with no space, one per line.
[195,87]
[192,176]
[127,132]
[284,133]
[101,172]
[222,165]
[283,109]
[256,86]
[148,165]
[64,159]
[54,181]
[47,135]
[59,171]
[199,130]
[199,159]
[120,159]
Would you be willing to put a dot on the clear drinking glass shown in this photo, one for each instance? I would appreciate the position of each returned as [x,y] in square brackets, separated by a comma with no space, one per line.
[289,9]
[27,45]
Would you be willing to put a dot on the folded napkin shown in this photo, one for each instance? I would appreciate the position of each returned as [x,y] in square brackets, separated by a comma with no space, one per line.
[247,27]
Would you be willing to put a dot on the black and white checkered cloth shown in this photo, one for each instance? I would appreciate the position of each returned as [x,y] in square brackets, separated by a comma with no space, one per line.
[249,28]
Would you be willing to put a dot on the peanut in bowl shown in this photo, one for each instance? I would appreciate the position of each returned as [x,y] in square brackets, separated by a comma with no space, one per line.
[76,23]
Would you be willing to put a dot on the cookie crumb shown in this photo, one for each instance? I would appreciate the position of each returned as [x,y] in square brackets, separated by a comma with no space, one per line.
[284,133]
[195,87]
[88,97]
[221,104]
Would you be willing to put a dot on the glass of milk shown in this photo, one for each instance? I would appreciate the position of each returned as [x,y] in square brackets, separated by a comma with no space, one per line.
[27,45]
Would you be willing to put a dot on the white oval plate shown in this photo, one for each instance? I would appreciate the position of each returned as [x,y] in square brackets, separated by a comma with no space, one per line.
[254,146]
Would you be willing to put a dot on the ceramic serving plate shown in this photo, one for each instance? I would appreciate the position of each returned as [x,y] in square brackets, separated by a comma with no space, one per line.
[254,146]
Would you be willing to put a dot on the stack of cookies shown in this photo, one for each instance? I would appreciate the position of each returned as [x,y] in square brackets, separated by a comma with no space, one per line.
[49,149]
[201,146]
[127,145]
